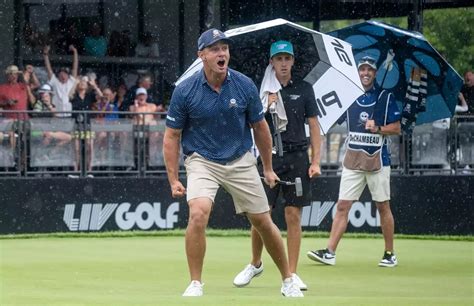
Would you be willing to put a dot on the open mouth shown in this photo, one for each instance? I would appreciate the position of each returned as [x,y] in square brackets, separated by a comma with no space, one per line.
[221,63]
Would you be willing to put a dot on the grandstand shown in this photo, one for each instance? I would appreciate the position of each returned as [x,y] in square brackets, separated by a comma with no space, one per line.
[109,162]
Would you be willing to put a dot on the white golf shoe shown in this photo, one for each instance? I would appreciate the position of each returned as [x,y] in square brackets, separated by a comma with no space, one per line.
[300,282]
[290,288]
[245,276]
[194,289]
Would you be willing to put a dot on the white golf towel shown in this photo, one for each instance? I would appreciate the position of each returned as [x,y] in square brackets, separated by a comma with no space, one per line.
[269,85]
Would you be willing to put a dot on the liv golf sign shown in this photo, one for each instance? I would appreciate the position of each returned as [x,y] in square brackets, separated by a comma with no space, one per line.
[145,216]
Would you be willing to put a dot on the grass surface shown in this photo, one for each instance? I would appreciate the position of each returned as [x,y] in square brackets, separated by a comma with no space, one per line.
[152,270]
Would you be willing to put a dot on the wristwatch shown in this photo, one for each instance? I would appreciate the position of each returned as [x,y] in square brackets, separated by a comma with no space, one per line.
[379,130]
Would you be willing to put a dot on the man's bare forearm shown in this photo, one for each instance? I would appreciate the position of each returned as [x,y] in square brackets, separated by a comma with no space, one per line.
[315,139]
[263,140]
[393,128]
[171,153]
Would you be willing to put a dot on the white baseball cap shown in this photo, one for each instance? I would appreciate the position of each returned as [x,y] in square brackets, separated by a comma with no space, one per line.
[45,88]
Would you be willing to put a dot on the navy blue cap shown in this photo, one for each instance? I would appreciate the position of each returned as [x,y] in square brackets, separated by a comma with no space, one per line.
[210,37]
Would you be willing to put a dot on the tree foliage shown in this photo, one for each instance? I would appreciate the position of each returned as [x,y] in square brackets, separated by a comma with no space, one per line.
[451,32]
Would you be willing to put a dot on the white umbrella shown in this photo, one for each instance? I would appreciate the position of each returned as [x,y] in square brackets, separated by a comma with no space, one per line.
[322,60]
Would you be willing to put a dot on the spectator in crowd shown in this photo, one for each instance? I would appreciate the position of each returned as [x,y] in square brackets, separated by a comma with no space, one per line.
[466,96]
[105,105]
[52,142]
[145,115]
[64,83]
[144,81]
[84,95]
[44,102]
[95,44]
[147,46]
[14,94]
[45,108]
[120,95]
[30,78]
[141,106]
[373,117]
[83,99]
[106,111]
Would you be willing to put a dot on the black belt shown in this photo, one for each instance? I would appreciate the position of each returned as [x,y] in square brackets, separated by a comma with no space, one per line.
[294,148]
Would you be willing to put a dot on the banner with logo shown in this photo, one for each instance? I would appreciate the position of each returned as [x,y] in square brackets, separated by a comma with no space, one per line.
[111,204]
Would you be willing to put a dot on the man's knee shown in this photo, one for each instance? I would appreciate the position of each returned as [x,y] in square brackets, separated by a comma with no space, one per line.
[198,214]
[343,206]
[198,218]
[261,222]
[292,215]
[383,207]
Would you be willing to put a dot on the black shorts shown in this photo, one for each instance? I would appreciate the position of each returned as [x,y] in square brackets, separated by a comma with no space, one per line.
[288,167]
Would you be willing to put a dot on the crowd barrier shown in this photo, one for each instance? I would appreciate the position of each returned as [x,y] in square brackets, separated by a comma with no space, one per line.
[83,145]
[436,205]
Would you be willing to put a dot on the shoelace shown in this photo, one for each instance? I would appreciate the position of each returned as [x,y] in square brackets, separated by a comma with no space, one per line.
[249,271]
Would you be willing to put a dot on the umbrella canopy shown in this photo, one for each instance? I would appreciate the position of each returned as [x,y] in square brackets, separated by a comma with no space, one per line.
[324,61]
[411,51]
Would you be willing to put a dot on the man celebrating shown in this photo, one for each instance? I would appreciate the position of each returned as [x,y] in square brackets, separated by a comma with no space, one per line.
[211,113]
[297,97]
[64,83]
[372,117]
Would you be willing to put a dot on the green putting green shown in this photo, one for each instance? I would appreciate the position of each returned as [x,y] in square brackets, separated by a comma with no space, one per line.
[152,270]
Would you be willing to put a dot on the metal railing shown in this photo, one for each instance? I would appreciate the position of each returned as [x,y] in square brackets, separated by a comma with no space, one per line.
[84,144]
[92,144]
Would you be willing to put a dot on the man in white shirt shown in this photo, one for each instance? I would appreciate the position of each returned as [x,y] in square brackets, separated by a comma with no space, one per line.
[64,83]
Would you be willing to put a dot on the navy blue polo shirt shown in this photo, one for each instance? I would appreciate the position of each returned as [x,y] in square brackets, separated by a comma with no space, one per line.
[215,124]
[365,108]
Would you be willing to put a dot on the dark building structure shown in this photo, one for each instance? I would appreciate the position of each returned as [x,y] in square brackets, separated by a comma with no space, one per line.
[176,24]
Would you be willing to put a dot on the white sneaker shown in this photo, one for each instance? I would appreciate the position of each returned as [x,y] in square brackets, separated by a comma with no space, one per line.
[323,256]
[389,260]
[299,281]
[194,289]
[245,276]
[290,288]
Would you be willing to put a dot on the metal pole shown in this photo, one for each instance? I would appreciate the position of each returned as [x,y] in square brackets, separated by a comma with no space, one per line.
[181,45]
[415,18]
